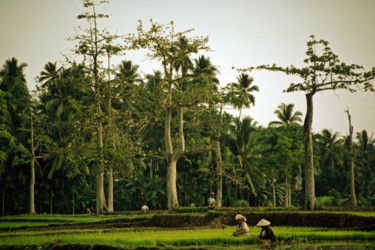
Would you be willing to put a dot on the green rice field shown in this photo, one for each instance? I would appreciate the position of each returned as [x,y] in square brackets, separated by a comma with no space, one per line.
[44,231]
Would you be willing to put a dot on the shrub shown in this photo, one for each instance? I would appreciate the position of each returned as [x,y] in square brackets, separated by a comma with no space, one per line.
[192,210]
[241,203]
[336,197]
[324,201]
[362,201]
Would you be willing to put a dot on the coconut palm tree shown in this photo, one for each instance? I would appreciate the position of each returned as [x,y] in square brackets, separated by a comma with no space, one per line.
[329,143]
[286,116]
[204,77]
[49,77]
[13,82]
[241,92]
[204,72]
[366,151]
[244,146]
[286,119]
[127,72]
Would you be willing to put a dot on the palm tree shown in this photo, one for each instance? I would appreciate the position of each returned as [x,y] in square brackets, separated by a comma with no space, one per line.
[286,119]
[49,77]
[241,92]
[127,72]
[60,108]
[204,72]
[12,81]
[204,77]
[244,146]
[286,116]
[366,150]
[329,143]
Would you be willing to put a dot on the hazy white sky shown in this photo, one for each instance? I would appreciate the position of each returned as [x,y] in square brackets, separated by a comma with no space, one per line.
[242,33]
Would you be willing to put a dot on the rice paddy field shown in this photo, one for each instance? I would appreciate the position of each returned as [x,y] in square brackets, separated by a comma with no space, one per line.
[139,231]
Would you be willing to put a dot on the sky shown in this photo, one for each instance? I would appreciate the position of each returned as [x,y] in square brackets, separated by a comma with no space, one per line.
[242,33]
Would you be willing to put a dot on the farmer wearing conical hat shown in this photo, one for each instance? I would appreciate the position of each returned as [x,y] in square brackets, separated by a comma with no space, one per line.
[266,235]
[241,229]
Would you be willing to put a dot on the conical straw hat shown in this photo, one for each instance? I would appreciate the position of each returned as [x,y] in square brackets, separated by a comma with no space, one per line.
[263,223]
[240,217]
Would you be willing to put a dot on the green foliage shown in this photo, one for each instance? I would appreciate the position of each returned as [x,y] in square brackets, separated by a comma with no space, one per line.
[241,203]
[334,199]
[192,210]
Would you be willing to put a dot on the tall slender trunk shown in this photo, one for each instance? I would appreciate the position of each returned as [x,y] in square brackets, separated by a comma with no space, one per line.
[250,181]
[273,194]
[32,184]
[171,167]
[286,192]
[219,167]
[309,161]
[3,197]
[100,197]
[219,164]
[172,155]
[367,177]
[51,201]
[32,169]
[352,176]
[73,200]
[110,171]
[110,189]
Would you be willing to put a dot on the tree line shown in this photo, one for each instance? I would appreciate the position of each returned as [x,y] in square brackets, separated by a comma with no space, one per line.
[105,137]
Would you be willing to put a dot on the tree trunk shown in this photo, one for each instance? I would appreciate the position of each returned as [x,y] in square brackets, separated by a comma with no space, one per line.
[32,184]
[352,176]
[100,197]
[171,184]
[51,201]
[98,191]
[309,161]
[110,189]
[286,192]
[219,167]
[73,200]
[273,194]
[248,178]
[32,179]
[290,196]
[3,197]
[172,157]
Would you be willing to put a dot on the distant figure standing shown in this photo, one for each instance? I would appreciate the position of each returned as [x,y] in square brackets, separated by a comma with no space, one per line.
[266,235]
[241,229]
[211,201]
[144,208]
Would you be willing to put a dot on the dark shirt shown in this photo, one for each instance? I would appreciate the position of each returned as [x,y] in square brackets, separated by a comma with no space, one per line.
[267,235]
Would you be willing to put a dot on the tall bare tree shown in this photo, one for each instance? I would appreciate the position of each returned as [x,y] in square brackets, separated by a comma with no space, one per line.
[324,71]
[93,44]
[171,49]
[351,161]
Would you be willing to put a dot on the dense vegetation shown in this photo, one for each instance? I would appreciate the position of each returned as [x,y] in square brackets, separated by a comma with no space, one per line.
[103,137]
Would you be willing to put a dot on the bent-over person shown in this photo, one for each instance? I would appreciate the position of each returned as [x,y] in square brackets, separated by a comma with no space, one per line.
[241,229]
[266,235]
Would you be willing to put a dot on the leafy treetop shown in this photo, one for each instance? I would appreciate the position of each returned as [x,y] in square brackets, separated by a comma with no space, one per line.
[324,71]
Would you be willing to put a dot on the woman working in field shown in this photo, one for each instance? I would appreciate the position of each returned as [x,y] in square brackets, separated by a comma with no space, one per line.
[241,229]
[266,235]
